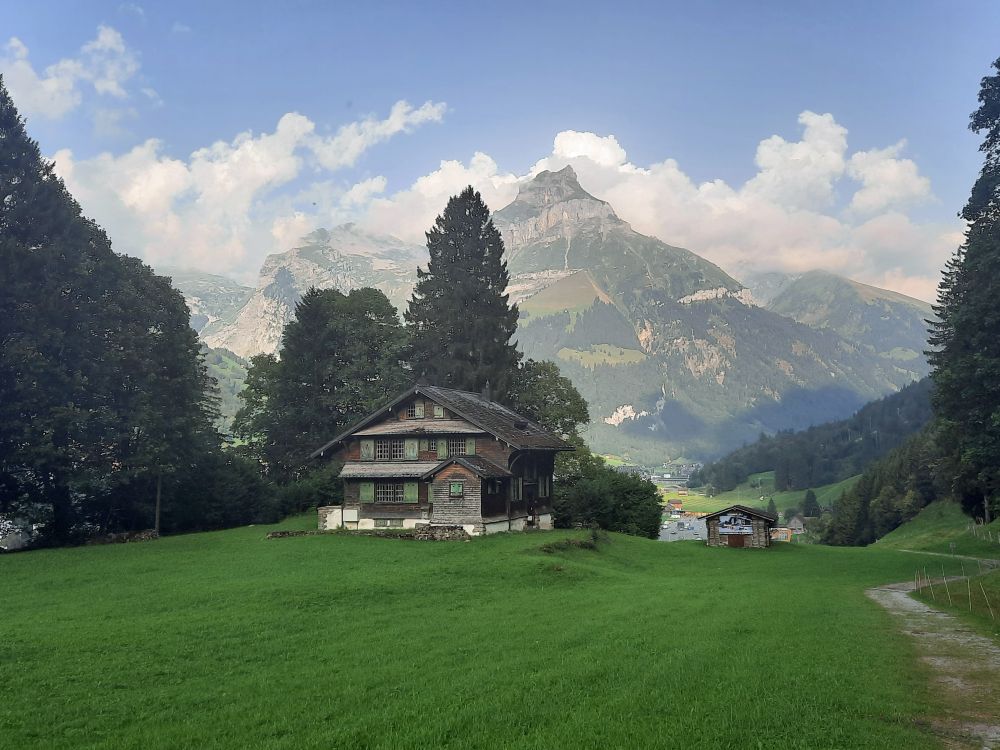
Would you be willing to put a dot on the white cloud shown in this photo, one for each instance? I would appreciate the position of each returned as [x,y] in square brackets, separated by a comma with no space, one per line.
[886,181]
[785,217]
[343,149]
[180,28]
[105,63]
[230,203]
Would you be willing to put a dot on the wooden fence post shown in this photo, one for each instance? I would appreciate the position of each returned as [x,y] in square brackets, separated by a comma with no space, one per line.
[992,616]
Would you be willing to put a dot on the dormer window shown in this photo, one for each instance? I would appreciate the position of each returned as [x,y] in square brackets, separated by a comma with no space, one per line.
[415,410]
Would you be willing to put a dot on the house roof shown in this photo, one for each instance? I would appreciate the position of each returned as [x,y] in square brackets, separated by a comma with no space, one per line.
[422,427]
[773,518]
[386,469]
[518,432]
[476,464]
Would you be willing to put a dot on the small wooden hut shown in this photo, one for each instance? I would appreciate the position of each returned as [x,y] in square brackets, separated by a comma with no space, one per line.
[739,526]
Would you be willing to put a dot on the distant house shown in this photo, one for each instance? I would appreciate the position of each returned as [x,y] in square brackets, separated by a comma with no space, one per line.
[796,526]
[739,526]
[443,457]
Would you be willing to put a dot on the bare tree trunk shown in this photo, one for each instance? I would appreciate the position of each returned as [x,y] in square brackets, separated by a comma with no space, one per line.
[159,493]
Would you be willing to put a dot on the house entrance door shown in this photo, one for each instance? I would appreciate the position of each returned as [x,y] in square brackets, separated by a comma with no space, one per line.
[737,540]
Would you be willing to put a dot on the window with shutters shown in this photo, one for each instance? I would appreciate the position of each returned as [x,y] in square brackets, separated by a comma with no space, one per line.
[432,444]
[388,523]
[456,446]
[390,450]
[411,410]
[438,411]
[389,492]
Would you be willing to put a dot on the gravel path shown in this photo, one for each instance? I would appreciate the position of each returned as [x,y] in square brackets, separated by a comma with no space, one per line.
[965,666]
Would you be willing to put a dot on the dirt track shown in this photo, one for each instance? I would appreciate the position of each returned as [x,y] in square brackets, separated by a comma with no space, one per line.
[965,665]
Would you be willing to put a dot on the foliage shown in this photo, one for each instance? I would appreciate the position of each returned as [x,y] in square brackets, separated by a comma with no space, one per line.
[102,386]
[459,318]
[539,392]
[599,495]
[810,505]
[890,492]
[829,452]
[104,639]
[966,339]
[340,359]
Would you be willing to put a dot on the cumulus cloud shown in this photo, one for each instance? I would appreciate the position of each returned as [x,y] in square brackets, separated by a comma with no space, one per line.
[886,180]
[786,217]
[105,63]
[223,208]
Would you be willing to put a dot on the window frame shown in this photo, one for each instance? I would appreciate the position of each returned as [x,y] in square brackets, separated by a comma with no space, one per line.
[386,449]
[452,484]
[456,441]
[390,493]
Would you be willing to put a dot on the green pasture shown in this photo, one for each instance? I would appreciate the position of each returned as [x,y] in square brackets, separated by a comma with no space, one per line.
[226,639]
[602,354]
[939,526]
[758,485]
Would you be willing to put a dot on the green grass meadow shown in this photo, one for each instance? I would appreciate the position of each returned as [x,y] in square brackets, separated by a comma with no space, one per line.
[226,639]
[939,526]
[757,485]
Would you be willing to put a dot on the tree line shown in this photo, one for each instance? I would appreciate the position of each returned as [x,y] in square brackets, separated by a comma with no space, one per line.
[826,453]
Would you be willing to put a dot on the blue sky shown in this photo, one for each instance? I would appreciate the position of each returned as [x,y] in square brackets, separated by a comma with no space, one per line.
[699,83]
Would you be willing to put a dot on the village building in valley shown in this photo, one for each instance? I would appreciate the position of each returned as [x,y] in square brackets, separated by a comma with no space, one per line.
[443,457]
[739,526]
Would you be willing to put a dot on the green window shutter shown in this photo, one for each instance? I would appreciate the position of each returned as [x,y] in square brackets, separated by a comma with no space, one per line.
[470,446]
[411,493]
[367,450]
[423,444]
[419,409]
[442,448]
[368,492]
[410,449]
[438,411]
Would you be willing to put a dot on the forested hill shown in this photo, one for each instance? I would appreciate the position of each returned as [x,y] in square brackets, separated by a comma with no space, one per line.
[829,452]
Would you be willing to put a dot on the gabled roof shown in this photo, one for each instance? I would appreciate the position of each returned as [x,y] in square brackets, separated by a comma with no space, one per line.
[743,509]
[517,431]
[476,464]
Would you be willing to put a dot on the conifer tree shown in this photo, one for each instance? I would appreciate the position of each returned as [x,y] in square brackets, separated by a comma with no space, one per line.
[460,319]
[341,358]
[965,340]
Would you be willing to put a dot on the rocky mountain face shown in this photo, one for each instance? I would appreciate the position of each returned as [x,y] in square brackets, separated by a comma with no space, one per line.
[213,300]
[670,351]
[343,258]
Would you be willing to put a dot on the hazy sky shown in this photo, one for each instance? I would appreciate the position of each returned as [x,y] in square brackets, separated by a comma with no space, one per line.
[766,135]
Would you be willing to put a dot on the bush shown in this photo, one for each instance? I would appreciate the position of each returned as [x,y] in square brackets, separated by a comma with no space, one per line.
[610,499]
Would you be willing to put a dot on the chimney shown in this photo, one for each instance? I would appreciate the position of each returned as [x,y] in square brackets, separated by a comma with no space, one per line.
[486,391]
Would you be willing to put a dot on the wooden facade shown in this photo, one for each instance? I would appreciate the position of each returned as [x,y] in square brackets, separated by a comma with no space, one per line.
[440,456]
[739,526]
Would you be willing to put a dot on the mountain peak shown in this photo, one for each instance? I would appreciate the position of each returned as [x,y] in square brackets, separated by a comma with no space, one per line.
[547,188]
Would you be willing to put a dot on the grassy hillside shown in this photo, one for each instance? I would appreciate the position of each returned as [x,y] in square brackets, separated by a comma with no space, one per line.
[226,639]
[762,485]
[938,526]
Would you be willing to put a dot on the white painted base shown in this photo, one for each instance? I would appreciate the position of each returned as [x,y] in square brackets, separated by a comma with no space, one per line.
[545,521]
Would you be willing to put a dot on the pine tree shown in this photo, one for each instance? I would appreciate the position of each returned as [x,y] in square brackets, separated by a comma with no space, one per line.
[460,319]
[965,340]
[341,357]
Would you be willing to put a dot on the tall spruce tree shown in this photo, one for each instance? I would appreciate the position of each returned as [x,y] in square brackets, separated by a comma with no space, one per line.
[460,319]
[341,357]
[965,340]
[101,385]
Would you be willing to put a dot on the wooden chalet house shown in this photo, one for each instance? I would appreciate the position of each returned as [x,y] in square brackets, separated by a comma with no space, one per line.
[443,457]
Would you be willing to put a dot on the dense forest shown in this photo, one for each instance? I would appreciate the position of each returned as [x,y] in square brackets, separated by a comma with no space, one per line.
[829,452]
